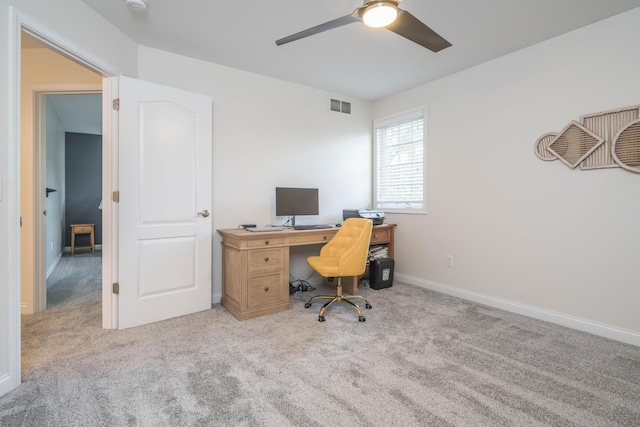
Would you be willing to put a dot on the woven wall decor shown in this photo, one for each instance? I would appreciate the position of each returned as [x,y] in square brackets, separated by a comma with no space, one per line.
[607,124]
[574,144]
[626,147]
[603,140]
[541,146]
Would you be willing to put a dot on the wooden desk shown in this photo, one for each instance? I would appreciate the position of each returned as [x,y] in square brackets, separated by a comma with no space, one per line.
[82,229]
[255,267]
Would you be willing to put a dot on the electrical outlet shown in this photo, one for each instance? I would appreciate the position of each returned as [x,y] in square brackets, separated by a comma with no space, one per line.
[51,245]
[449,260]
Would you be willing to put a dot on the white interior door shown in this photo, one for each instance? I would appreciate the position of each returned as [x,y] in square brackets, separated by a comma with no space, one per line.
[164,237]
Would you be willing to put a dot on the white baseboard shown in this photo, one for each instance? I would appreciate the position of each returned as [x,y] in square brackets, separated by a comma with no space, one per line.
[54,264]
[583,325]
[216,298]
[7,383]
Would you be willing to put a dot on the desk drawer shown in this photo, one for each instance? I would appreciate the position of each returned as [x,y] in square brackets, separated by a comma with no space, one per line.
[264,291]
[265,242]
[266,260]
[380,236]
[308,239]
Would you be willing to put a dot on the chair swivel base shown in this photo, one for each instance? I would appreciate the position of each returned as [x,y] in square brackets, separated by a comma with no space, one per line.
[339,298]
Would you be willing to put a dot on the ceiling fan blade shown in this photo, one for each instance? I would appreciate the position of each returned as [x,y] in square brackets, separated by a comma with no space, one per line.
[410,27]
[339,22]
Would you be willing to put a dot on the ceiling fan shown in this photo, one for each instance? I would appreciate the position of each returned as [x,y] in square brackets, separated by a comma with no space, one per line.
[381,13]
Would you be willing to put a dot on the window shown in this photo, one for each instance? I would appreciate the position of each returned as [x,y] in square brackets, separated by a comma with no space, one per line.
[399,177]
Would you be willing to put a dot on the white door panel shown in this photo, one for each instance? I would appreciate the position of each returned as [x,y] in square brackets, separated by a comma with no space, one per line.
[168,141]
[166,266]
[164,181]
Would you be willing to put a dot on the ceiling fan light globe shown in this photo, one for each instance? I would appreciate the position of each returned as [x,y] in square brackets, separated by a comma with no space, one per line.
[379,14]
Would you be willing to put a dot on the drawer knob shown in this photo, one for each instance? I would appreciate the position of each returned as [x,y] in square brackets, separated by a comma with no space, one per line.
[324,237]
[266,289]
[266,259]
[266,242]
[375,236]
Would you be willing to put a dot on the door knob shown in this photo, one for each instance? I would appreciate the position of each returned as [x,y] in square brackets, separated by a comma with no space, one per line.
[204,213]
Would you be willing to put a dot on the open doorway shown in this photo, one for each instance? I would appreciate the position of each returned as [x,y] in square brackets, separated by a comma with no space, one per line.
[21,100]
[60,99]
[73,181]
[122,98]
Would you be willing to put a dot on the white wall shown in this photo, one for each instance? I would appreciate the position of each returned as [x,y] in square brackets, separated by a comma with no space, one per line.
[55,179]
[105,43]
[269,133]
[530,235]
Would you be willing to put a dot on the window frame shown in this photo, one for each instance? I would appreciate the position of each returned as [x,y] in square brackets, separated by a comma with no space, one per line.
[390,120]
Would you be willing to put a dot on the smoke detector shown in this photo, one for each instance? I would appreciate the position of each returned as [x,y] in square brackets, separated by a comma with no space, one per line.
[137,4]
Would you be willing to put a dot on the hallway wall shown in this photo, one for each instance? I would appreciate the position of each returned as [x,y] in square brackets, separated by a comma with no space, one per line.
[54,179]
[83,188]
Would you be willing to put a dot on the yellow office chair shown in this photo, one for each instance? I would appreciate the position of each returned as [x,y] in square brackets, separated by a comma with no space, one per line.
[344,255]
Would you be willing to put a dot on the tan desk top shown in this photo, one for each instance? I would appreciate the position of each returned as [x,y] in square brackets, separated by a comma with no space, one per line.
[243,239]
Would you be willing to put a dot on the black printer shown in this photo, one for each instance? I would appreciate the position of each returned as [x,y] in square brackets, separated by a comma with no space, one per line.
[375,215]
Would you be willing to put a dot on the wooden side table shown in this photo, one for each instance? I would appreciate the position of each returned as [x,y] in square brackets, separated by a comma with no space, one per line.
[82,229]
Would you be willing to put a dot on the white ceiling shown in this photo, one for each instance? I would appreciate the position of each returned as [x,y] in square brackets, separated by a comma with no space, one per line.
[78,113]
[353,60]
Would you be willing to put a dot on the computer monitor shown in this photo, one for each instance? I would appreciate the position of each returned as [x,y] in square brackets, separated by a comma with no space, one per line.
[296,201]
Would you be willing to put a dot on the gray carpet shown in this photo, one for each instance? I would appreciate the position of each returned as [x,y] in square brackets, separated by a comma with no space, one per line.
[74,276]
[421,358]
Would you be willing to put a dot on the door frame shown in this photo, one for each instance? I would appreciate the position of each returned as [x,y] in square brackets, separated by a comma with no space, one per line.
[18,23]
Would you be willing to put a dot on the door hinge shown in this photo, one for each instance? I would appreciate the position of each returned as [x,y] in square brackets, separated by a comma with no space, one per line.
[116,288]
[116,197]
[116,104]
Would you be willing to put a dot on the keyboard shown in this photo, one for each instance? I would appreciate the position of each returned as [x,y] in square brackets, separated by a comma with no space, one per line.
[264,228]
[312,226]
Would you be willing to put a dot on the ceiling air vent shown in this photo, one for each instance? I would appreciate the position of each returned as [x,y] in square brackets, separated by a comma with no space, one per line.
[340,106]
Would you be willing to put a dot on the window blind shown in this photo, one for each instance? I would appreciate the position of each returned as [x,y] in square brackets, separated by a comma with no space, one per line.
[399,163]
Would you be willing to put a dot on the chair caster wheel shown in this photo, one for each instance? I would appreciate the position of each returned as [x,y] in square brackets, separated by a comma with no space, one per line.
[307,305]
[361,319]
[320,318]
[368,306]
